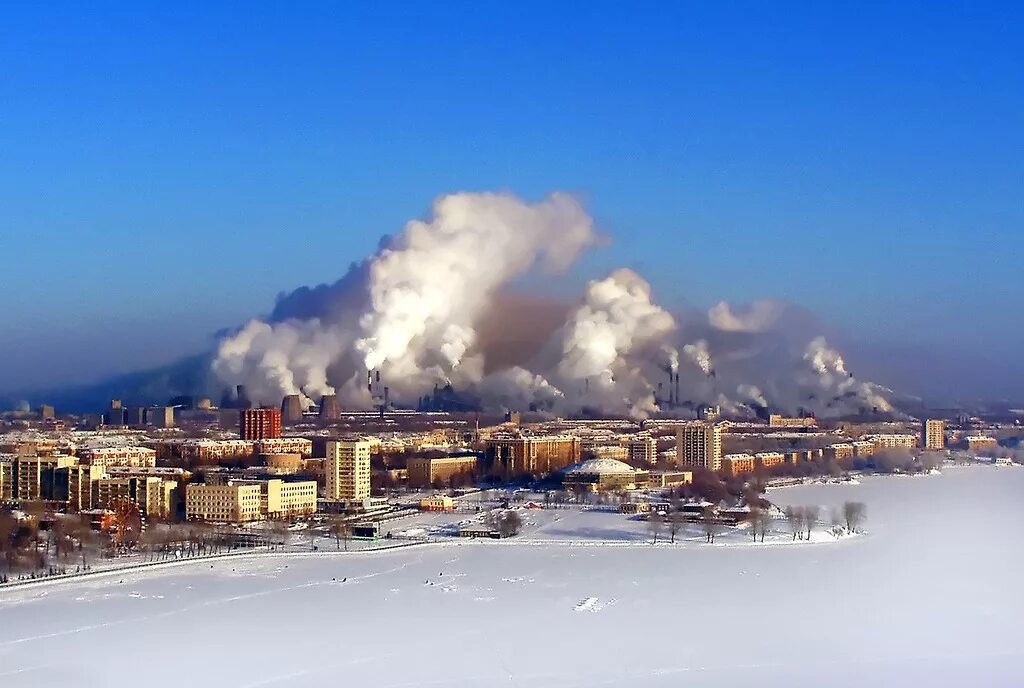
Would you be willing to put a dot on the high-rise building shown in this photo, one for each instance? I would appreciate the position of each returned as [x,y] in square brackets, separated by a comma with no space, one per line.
[643,449]
[933,434]
[7,485]
[329,408]
[259,423]
[348,470]
[160,416]
[75,485]
[699,445]
[35,477]
[134,416]
[115,414]
[45,412]
[291,409]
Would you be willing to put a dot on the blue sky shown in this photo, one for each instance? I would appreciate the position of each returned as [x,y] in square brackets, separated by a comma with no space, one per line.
[166,170]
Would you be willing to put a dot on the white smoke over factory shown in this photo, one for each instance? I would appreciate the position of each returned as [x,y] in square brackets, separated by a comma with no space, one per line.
[414,313]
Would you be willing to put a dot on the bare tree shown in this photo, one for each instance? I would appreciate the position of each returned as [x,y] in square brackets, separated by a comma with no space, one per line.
[854,514]
[675,524]
[341,531]
[760,519]
[755,518]
[311,532]
[709,519]
[279,532]
[795,518]
[655,522]
[811,515]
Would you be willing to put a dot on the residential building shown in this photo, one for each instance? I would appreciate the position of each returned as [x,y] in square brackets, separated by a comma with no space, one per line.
[978,444]
[119,456]
[288,499]
[241,501]
[514,455]
[862,448]
[348,470]
[738,464]
[769,459]
[284,445]
[7,490]
[75,485]
[195,450]
[235,502]
[699,445]
[424,472]
[259,423]
[933,434]
[642,449]
[840,451]
[35,477]
[893,441]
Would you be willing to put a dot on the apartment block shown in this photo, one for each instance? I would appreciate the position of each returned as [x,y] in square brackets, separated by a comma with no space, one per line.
[699,445]
[348,470]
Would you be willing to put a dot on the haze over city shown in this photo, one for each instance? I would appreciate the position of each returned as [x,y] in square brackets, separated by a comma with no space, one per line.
[168,174]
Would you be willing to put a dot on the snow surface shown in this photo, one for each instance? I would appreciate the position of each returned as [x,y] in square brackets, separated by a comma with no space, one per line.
[930,594]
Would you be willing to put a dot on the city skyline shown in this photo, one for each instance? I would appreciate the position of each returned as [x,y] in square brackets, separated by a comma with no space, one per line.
[853,165]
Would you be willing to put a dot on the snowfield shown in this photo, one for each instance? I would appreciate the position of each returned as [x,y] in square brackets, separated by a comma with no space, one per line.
[930,594]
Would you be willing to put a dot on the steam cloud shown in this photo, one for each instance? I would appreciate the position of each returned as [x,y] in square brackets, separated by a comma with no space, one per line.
[416,310]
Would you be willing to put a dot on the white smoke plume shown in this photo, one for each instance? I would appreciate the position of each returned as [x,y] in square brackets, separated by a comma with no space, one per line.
[757,317]
[416,309]
[427,291]
[752,393]
[604,340]
[421,296]
[698,354]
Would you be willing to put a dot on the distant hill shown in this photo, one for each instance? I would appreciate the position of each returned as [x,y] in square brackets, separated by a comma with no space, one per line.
[189,376]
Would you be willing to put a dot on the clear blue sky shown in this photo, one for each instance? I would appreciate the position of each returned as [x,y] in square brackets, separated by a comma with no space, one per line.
[165,170]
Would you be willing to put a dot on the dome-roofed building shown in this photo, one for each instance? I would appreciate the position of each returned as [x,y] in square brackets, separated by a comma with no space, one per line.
[596,475]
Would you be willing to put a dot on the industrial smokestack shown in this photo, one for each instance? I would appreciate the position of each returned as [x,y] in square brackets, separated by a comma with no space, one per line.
[378,374]
[387,396]
[369,381]
[672,400]
[242,393]
[677,388]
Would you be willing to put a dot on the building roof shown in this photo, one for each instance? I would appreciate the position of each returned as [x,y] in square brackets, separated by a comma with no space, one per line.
[600,466]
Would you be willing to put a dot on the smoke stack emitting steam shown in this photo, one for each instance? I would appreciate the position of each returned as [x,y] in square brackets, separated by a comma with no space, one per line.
[410,313]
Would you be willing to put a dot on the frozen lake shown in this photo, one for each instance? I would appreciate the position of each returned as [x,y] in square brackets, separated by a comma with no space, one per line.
[930,594]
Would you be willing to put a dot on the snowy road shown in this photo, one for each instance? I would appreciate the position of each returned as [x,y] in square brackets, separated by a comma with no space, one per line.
[930,595]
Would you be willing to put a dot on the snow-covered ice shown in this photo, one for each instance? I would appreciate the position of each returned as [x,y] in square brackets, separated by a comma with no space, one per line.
[930,595]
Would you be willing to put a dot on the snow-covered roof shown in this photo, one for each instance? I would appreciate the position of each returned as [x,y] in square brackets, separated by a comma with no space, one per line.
[601,466]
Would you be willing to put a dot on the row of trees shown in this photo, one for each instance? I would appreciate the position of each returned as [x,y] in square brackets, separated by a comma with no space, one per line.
[804,519]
